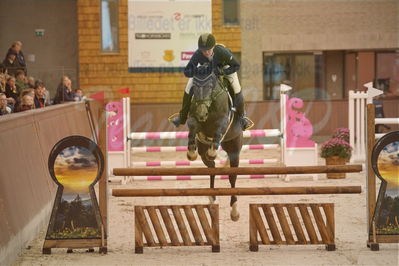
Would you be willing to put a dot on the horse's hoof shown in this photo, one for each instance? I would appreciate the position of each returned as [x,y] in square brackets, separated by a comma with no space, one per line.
[235,217]
[212,199]
[234,214]
[192,155]
[211,154]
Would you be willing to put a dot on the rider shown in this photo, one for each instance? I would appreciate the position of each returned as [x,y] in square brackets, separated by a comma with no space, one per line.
[224,64]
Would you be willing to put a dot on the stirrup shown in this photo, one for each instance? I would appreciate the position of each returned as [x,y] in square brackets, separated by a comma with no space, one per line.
[249,123]
[170,118]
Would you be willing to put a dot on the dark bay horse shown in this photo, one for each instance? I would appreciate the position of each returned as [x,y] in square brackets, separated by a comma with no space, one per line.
[212,123]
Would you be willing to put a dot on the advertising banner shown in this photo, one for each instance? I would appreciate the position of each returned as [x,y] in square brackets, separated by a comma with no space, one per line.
[163,34]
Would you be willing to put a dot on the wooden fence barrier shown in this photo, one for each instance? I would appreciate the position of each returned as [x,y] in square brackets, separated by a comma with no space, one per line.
[238,170]
[292,229]
[247,191]
[170,237]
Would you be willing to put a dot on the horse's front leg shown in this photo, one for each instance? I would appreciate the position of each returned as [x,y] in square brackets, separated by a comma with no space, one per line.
[192,131]
[217,138]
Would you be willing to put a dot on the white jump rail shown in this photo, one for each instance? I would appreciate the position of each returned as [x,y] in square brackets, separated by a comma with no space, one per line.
[199,163]
[357,120]
[184,148]
[196,177]
[129,136]
[184,134]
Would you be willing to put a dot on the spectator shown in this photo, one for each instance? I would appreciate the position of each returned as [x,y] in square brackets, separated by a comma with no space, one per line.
[78,96]
[64,91]
[20,80]
[31,82]
[16,47]
[2,68]
[27,103]
[3,86]
[11,89]
[4,108]
[11,64]
[30,92]
[39,98]
[2,83]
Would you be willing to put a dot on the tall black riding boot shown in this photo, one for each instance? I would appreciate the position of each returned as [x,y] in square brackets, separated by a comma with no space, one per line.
[239,104]
[185,108]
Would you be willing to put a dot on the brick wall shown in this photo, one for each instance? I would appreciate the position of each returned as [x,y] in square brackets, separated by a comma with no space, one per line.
[312,26]
[109,72]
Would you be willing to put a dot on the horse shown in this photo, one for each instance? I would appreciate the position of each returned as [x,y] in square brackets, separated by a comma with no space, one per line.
[212,123]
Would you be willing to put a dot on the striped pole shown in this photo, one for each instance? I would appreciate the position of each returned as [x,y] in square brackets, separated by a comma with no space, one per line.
[196,177]
[184,148]
[184,134]
[198,163]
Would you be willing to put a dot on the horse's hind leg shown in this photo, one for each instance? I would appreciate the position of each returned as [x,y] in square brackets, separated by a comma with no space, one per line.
[202,149]
[233,148]
[192,147]
[234,162]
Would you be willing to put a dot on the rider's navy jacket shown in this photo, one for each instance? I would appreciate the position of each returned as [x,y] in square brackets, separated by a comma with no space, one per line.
[221,57]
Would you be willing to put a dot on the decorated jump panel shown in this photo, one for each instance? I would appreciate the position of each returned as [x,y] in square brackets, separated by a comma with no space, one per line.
[385,163]
[75,164]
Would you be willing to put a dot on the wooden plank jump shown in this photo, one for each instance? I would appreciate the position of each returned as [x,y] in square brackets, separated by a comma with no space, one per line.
[319,169]
[147,217]
[293,226]
[177,192]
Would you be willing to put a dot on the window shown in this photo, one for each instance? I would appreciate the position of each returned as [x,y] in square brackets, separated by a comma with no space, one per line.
[304,72]
[237,56]
[109,26]
[231,12]
[387,72]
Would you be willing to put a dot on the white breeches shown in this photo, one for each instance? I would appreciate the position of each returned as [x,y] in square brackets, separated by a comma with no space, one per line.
[232,78]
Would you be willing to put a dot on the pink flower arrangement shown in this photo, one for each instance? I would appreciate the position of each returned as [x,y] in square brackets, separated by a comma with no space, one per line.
[336,147]
[341,133]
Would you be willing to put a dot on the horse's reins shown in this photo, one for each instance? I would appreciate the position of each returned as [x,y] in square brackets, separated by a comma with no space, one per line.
[231,114]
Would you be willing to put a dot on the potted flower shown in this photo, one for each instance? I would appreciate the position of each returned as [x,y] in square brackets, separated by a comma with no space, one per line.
[337,150]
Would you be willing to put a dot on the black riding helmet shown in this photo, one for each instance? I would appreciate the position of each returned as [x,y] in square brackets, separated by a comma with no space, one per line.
[206,41]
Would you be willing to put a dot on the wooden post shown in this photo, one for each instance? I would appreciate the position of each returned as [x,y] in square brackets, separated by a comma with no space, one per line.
[238,170]
[102,143]
[138,233]
[371,187]
[253,233]
[176,192]
[214,211]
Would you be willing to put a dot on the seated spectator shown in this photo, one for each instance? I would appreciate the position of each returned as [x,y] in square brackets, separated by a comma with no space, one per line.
[11,64]
[4,108]
[39,98]
[30,92]
[20,80]
[78,96]
[16,47]
[27,103]
[64,91]
[47,99]
[31,82]
[11,89]
[2,68]
[2,83]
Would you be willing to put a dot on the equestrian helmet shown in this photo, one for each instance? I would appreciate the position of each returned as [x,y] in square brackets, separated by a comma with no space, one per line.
[206,41]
